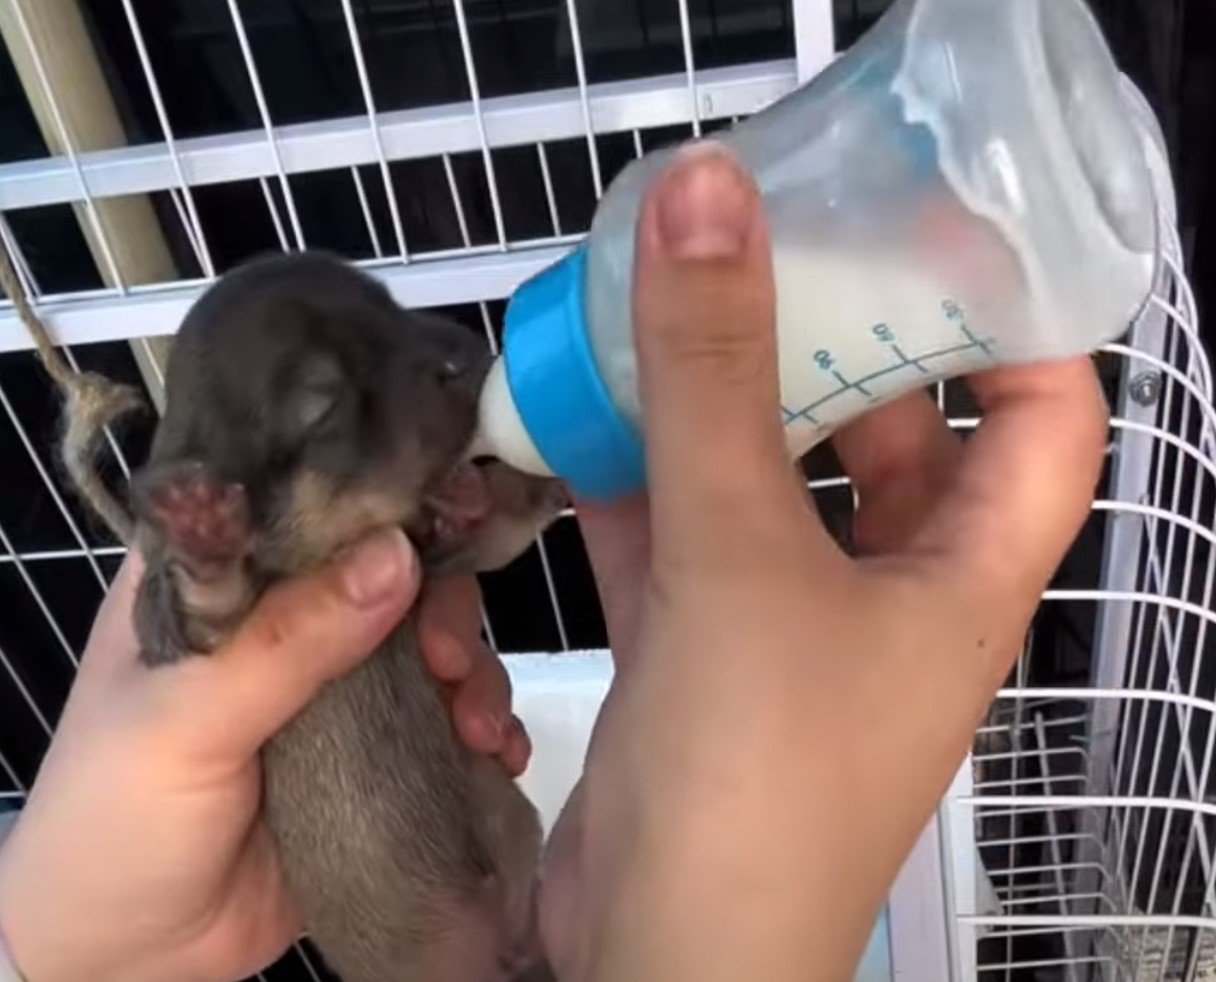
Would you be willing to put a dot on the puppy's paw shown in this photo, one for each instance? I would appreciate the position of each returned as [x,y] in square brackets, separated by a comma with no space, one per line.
[203,520]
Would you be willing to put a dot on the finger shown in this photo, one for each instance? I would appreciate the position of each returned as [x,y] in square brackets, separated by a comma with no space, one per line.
[1025,481]
[449,626]
[302,634]
[481,706]
[899,457]
[617,537]
[517,751]
[112,643]
[262,908]
[704,311]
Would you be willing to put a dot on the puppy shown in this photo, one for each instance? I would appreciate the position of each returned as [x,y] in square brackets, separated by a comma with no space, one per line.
[305,408]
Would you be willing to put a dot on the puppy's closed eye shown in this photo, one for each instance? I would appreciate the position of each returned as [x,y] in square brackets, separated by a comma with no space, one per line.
[320,388]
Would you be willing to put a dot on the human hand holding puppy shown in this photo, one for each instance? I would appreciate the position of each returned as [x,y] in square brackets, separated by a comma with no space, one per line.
[141,853]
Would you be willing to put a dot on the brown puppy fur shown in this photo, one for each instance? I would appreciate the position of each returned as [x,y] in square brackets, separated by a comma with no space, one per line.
[305,408]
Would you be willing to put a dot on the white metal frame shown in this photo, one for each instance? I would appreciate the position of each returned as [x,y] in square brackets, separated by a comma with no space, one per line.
[453,276]
[1106,785]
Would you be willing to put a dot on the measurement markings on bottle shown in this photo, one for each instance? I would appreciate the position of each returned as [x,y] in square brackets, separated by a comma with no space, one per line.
[825,360]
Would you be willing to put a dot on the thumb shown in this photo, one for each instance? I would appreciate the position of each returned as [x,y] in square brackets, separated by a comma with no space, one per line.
[617,539]
[303,634]
[705,320]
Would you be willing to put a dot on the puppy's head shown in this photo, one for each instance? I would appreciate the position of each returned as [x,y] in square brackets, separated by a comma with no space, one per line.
[305,408]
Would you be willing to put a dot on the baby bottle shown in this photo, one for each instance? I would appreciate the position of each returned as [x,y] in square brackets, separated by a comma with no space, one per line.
[966,187]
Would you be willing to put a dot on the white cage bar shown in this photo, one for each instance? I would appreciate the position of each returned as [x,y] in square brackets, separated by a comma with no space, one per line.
[512,120]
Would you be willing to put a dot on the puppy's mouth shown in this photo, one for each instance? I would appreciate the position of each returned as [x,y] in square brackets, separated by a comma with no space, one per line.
[459,502]
[461,508]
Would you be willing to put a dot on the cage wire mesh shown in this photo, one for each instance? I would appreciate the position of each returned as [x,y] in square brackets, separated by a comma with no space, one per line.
[453,147]
[1091,806]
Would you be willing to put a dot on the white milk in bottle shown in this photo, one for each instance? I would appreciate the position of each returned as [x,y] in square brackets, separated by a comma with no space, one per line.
[965,188]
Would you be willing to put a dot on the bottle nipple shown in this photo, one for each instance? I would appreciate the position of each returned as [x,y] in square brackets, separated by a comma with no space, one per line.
[500,429]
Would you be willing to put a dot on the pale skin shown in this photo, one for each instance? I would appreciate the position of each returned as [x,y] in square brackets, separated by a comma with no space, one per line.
[783,717]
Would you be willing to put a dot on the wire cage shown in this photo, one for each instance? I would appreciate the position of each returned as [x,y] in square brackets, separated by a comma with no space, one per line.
[1090,807]
[455,147]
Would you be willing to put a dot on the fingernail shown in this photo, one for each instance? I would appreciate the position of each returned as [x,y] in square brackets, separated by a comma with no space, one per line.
[376,568]
[705,204]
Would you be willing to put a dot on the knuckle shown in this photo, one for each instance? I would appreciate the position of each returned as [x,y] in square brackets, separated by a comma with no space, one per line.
[711,330]
[729,356]
[717,325]
[273,627]
[288,614]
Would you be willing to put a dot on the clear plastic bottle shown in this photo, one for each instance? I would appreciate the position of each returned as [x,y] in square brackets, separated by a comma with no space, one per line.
[968,186]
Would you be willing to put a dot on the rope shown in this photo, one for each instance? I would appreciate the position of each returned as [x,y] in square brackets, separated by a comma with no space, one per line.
[91,402]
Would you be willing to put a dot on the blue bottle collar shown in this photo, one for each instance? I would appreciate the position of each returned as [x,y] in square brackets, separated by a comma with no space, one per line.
[558,388]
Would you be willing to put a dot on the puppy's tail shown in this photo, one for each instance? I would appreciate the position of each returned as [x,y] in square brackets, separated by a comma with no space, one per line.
[91,403]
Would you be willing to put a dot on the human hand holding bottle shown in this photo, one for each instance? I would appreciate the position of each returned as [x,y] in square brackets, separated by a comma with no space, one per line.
[784,718]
